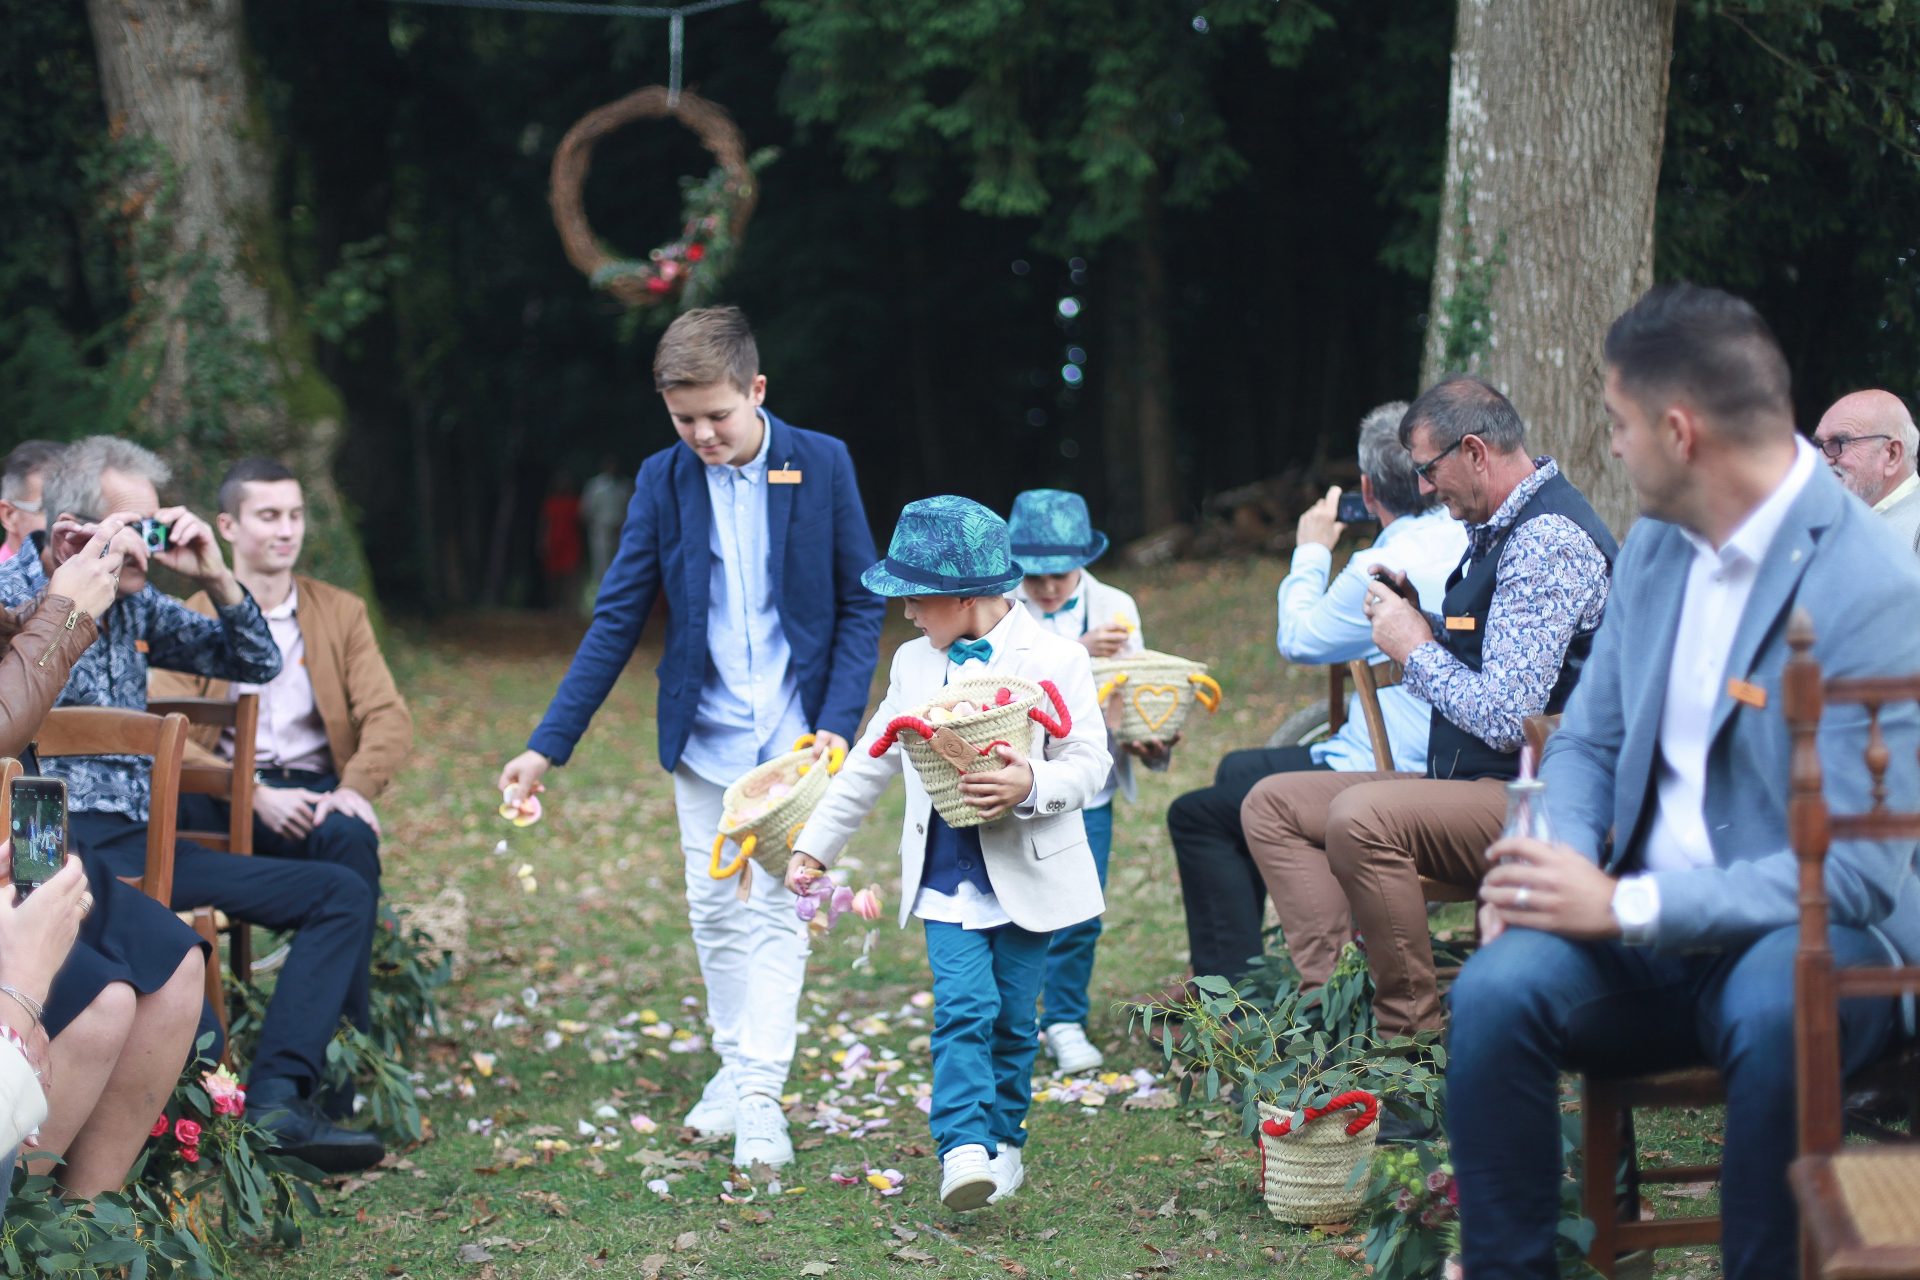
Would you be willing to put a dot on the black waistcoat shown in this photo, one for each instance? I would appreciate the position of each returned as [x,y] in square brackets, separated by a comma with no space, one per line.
[1452,752]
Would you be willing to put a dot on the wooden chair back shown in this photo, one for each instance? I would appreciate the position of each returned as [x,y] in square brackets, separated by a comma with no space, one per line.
[9,770]
[113,731]
[1368,681]
[1336,697]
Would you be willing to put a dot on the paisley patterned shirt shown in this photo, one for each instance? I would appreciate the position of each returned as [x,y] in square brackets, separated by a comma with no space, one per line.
[142,630]
[1551,586]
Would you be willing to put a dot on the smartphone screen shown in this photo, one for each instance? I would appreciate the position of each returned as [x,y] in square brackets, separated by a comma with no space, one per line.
[1353,509]
[39,832]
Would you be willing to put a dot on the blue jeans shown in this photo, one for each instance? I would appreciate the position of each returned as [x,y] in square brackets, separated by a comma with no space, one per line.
[1531,1004]
[1063,991]
[985,983]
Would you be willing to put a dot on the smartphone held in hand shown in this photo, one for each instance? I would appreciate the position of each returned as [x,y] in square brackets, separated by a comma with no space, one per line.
[39,831]
[1353,509]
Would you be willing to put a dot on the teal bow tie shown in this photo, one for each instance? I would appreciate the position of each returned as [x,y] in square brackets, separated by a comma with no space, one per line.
[1068,607]
[961,652]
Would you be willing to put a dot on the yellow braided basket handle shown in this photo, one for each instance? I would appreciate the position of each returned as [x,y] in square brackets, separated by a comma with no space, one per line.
[1206,691]
[835,758]
[1106,690]
[719,872]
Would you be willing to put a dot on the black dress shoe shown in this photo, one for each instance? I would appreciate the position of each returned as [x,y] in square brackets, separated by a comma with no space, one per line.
[299,1130]
[1399,1130]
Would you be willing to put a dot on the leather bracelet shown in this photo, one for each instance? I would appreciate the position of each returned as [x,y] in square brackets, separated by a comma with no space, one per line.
[34,1008]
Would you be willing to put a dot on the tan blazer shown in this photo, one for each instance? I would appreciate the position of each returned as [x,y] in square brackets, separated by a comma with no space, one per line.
[369,729]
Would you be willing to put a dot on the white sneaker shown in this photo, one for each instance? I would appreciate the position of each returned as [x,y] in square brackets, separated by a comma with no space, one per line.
[1072,1051]
[966,1178]
[1008,1173]
[762,1133]
[712,1116]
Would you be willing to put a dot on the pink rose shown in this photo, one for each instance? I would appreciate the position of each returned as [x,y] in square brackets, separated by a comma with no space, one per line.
[160,1127]
[187,1131]
[190,1154]
[229,1099]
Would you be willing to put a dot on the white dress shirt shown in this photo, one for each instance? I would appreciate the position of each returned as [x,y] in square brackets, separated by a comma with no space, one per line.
[750,700]
[1322,623]
[1719,583]
[1094,604]
[291,734]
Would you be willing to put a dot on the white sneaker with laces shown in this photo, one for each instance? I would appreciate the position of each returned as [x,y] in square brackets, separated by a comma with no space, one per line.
[761,1133]
[712,1116]
[966,1178]
[1008,1173]
[1072,1051]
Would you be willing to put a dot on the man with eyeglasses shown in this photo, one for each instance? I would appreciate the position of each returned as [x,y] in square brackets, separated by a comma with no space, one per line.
[1870,442]
[1516,624]
[22,514]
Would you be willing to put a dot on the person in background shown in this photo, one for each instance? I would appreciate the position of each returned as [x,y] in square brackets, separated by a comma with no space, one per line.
[1870,441]
[22,514]
[560,549]
[603,504]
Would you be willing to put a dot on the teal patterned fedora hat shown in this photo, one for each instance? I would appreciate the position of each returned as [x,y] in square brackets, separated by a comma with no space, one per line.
[946,546]
[1052,532]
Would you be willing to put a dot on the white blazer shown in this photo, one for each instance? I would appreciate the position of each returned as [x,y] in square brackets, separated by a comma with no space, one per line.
[1102,605]
[1037,855]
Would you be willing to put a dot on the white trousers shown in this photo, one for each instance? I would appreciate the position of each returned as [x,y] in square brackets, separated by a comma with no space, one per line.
[753,954]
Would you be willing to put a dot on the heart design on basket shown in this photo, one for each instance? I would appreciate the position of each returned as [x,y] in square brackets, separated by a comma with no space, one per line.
[1165,699]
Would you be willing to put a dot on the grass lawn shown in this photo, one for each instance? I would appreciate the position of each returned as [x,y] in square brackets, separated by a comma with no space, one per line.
[576,1023]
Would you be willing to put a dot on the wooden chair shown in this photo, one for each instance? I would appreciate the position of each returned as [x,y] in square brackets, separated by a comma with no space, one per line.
[234,784]
[9,770]
[1859,1206]
[111,731]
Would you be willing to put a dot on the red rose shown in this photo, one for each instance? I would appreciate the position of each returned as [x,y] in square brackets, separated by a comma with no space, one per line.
[190,1154]
[160,1126]
[695,252]
[187,1131]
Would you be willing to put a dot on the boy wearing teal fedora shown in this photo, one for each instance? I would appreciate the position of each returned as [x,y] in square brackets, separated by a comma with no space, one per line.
[990,896]
[1054,540]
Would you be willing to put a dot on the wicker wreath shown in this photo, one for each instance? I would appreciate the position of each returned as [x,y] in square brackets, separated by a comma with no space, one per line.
[717,133]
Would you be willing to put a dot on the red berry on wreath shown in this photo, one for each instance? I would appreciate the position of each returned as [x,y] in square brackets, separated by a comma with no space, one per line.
[695,252]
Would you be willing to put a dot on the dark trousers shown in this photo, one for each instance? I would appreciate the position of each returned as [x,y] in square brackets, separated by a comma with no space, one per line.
[1529,1005]
[1224,895]
[329,909]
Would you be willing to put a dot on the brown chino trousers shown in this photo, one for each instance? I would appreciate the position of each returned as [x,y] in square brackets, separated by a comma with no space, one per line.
[1338,849]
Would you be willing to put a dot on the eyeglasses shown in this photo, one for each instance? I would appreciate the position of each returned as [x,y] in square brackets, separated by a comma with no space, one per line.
[1834,446]
[1424,470]
[31,508]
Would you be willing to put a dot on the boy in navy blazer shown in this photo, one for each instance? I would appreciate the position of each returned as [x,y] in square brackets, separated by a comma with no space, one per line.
[754,531]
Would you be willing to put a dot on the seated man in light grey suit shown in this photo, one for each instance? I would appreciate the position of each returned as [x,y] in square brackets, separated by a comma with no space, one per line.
[1871,444]
[1674,944]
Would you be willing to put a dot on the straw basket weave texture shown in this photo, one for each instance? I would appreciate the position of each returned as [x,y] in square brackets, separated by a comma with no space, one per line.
[768,837]
[1309,1174]
[1155,692]
[1011,723]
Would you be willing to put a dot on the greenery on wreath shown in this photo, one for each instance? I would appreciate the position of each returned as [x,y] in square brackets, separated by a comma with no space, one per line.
[687,270]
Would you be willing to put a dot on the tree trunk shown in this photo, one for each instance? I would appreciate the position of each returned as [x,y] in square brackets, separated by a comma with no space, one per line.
[1546,229]
[218,331]
[1160,485]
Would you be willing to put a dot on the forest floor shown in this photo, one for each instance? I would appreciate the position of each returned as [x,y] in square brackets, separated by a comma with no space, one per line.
[574,1041]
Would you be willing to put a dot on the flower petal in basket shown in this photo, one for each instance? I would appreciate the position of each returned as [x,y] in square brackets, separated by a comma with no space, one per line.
[764,810]
[956,734]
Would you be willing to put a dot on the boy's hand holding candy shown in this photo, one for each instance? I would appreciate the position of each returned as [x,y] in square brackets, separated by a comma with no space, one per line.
[802,870]
[996,791]
[1106,641]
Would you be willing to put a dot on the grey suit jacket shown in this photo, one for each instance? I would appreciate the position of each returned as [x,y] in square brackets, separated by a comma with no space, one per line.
[1903,517]
[1840,562]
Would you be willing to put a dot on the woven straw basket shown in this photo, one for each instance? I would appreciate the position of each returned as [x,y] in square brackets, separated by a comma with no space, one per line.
[1312,1174]
[943,758]
[1153,692]
[768,837]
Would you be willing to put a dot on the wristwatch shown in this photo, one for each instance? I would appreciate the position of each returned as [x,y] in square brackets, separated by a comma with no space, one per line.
[1636,908]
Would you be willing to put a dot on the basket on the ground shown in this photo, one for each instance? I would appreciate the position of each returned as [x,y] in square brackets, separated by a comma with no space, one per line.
[1008,711]
[764,827]
[1152,693]
[1312,1174]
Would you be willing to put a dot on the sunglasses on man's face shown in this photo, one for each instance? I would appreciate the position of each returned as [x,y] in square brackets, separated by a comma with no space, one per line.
[1425,469]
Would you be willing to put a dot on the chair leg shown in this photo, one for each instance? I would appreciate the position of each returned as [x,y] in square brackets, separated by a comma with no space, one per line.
[240,950]
[1599,1160]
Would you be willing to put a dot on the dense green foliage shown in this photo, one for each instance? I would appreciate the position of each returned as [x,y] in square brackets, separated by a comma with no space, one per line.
[949,175]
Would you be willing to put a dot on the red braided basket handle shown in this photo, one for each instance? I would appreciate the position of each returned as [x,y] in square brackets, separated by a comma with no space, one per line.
[1370,1109]
[1064,725]
[886,740]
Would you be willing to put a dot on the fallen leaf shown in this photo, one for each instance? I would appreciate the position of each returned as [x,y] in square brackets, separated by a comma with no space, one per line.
[1048,1234]
[651,1265]
[911,1255]
[685,1241]
[475,1253]
[816,1268]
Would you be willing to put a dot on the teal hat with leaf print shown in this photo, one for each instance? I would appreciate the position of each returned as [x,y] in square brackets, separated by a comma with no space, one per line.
[1052,532]
[946,546]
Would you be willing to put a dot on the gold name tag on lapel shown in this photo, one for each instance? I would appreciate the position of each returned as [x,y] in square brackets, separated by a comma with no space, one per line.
[783,476]
[1462,624]
[1751,694]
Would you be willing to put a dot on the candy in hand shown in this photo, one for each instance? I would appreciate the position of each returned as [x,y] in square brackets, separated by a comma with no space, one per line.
[521,812]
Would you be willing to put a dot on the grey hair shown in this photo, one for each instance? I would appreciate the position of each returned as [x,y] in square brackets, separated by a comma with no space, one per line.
[28,459]
[1385,462]
[72,482]
[1909,434]
[1461,405]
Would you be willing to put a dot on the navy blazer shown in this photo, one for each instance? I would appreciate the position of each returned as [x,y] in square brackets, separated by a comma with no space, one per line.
[1839,561]
[818,544]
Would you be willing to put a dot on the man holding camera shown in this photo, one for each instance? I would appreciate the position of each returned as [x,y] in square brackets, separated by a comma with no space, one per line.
[330,907]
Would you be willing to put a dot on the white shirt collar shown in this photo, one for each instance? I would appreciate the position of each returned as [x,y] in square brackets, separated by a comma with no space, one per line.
[1750,541]
[1000,634]
[286,608]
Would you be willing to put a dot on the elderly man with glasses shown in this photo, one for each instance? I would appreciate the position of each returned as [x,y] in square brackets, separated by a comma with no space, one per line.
[1516,623]
[1870,442]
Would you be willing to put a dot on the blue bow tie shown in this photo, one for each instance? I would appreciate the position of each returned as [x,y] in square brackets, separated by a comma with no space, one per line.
[961,652]
[1068,607]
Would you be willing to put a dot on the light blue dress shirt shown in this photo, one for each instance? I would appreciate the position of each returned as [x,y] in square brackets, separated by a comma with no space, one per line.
[749,701]
[1325,623]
